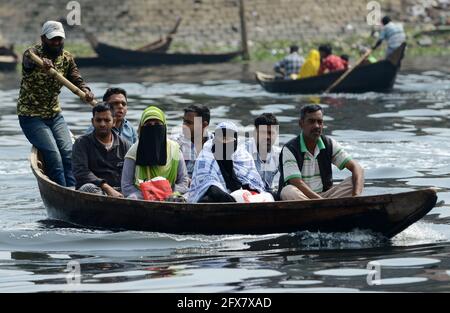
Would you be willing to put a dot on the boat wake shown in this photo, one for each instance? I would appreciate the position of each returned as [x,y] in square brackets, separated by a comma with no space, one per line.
[305,240]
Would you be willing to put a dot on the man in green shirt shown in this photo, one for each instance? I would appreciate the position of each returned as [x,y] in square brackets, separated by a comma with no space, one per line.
[38,105]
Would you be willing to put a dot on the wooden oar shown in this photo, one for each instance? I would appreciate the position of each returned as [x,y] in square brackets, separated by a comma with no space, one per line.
[54,73]
[343,76]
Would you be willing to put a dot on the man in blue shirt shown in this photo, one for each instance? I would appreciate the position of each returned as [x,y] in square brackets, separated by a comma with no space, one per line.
[117,99]
[392,33]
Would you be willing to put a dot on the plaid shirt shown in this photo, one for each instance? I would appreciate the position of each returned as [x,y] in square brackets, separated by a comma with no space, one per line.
[291,64]
[188,150]
[268,169]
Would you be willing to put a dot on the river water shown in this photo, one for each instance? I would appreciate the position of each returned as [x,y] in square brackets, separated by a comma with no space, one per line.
[400,138]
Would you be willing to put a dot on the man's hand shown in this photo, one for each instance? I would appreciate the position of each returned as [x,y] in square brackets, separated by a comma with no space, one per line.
[110,191]
[48,64]
[303,187]
[89,95]
[115,193]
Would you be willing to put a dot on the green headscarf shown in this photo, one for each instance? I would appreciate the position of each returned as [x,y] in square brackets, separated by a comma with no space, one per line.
[170,169]
[152,112]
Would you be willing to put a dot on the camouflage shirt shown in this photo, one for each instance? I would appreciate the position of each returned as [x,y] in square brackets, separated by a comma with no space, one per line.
[38,91]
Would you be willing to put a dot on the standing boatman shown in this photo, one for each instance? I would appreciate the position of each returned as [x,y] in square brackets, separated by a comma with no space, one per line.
[392,33]
[38,106]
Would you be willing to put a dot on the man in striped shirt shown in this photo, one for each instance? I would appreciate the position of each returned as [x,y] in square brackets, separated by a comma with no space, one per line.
[305,163]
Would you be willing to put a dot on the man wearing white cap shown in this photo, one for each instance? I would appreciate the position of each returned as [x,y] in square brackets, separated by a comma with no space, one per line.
[38,105]
[222,168]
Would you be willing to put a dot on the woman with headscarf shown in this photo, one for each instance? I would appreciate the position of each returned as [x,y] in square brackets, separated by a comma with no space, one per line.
[311,66]
[223,167]
[153,155]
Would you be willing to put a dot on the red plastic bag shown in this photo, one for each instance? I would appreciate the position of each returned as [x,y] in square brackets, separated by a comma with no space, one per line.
[156,189]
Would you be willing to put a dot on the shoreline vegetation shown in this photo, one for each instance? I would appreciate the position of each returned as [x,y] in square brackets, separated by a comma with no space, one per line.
[419,44]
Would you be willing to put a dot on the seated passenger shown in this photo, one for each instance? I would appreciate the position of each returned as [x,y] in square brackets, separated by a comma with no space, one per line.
[117,99]
[98,156]
[153,155]
[311,66]
[261,146]
[222,168]
[195,134]
[370,59]
[329,62]
[346,59]
[290,65]
[305,163]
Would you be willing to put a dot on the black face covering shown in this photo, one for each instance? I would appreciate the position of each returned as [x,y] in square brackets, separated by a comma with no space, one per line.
[152,147]
[222,154]
[51,51]
[223,151]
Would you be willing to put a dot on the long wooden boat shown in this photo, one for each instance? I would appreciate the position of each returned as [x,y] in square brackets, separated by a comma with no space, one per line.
[8,59]
[114,57]
[378,77]
[160,45]
[386,214]
[151,54]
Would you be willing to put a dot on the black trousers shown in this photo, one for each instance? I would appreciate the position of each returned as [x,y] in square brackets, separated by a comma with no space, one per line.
[214,194]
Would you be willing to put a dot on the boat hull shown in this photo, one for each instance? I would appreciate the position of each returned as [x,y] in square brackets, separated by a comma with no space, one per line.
[114,56]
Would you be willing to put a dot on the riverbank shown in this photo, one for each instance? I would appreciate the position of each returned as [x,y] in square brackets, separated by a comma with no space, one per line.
[420,44]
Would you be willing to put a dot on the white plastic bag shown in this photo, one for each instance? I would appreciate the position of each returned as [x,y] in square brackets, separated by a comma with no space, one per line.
[245,196]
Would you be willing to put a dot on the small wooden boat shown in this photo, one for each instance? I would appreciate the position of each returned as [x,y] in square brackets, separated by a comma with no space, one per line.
[378,77]
[8,59]
[386,214]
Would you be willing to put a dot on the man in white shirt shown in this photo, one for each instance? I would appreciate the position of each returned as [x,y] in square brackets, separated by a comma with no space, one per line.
[263,149]
[195,134]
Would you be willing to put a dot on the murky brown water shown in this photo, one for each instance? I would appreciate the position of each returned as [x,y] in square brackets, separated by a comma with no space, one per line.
[401,139]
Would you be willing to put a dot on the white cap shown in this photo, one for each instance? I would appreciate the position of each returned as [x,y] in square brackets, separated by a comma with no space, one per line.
[227,125]
[52,29]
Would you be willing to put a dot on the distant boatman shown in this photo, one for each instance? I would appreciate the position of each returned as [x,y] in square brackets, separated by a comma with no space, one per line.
[392,33]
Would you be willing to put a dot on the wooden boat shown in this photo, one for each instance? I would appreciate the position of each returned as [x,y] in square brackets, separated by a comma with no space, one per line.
[114,56]
[378,77]
[160,45]
[8,59]
[148,55]
[386,214]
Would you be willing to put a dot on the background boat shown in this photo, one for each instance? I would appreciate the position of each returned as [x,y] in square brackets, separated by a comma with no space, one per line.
[114,56]
[8,59]
[161,45]
[377,77]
